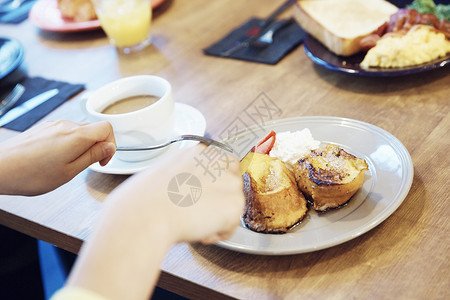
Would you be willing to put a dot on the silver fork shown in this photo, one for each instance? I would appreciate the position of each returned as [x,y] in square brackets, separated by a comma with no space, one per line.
[11,98]
[187,137]
[266,39]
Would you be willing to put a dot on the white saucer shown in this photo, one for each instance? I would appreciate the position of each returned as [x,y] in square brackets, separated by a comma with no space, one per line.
[188,120]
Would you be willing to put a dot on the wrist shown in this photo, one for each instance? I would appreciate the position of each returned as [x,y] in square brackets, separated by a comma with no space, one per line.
[8,173]
[147,210]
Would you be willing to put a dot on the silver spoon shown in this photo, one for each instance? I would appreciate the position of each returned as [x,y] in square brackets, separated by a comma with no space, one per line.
[187,137]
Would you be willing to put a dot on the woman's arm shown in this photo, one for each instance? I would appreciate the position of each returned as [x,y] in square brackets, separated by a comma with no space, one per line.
[122,257]
[52,153]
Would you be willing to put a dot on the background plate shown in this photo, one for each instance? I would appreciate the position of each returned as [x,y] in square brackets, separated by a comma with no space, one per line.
[319,54]
[11,56]
[45,15]
[386,185]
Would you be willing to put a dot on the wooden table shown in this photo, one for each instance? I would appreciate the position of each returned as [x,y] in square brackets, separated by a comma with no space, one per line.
[404,257]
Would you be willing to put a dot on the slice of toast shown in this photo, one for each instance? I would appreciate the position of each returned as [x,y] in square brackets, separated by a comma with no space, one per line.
[341,24]
[329,176]
[273,202]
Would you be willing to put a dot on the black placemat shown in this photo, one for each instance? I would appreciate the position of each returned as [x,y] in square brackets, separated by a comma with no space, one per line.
[285,40]
[35,86]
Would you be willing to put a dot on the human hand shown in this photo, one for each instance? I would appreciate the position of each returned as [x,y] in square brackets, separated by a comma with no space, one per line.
[140,221]
[52,153]
[217,197]
[210,218]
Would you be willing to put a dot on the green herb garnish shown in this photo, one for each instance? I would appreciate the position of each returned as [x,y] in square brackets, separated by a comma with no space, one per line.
[429,7]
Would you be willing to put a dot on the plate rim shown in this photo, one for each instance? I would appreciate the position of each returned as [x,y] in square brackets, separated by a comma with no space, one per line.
[383,72]
[69,26]
[34,16]
[18,59]
[404,157]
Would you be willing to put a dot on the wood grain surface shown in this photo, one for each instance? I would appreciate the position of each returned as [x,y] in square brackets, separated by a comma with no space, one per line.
[405,257]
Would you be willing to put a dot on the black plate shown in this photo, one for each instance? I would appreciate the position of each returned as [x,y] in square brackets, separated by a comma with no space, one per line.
[350,64]
[11,56]
[321,56]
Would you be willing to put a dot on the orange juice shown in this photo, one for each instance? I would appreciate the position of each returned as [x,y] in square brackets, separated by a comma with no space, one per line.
[126,22]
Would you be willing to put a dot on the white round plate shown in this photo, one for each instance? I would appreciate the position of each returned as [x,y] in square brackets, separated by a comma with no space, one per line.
[188,120]
[387,182]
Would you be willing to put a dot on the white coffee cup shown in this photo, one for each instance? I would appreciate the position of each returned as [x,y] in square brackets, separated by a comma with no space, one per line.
[147,126]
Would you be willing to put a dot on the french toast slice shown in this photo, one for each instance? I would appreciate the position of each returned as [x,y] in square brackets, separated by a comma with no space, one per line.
[329,176]
[273,202]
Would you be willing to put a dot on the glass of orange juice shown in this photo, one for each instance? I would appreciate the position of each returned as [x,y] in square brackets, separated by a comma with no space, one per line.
[125,22]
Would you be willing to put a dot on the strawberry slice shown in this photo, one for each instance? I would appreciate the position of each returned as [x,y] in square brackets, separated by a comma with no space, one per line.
[265,145]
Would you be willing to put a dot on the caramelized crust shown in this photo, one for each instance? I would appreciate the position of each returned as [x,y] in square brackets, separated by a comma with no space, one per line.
[273,202]
[329,176]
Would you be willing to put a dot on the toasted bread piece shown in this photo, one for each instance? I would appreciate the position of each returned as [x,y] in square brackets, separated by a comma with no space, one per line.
[341,24]
[273,202]
[329,176]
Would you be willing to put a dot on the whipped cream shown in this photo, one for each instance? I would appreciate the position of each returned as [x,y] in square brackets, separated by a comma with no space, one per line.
[292,146]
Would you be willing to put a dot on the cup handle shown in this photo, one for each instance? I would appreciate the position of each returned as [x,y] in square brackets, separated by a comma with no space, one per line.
[83,101]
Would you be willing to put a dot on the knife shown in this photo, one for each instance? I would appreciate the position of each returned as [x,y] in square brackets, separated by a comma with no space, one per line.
[27,106]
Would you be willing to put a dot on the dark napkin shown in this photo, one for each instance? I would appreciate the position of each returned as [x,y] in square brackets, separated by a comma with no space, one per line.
[285,40]
[17,15]
[35,86]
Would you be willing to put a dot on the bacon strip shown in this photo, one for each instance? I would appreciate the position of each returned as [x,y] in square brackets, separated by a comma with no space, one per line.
[401,22]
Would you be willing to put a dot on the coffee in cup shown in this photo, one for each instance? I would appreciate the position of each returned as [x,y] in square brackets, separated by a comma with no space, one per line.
[130,104]
[140,110]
